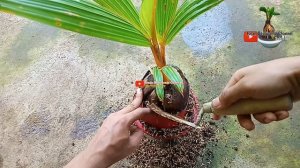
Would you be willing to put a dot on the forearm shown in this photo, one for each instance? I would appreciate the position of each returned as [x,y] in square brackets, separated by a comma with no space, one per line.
[77,162]
[87,160]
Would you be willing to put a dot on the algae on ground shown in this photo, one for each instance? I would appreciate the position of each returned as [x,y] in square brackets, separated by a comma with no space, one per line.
[26,48]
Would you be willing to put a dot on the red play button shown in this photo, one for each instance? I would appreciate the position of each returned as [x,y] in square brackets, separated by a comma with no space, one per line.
[140,83]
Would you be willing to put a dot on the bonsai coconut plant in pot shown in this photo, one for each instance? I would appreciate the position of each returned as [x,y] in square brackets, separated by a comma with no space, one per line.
[269,38]
[154,25]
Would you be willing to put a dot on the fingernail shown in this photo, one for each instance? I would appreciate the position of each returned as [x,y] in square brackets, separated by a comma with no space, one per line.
[216,103]
[252,128]
[139,90]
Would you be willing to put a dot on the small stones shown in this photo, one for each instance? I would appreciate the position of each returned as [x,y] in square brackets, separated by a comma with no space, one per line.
[211,123]
[235,148]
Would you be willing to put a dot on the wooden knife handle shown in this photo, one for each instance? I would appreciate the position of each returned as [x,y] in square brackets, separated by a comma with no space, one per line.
[253,106]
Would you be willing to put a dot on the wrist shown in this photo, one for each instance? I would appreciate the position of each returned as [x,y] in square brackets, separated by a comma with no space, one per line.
[95,159]
[297,83]
[88,159]
[295,77]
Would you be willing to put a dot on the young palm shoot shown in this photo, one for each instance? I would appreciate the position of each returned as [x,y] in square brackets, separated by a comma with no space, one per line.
[269,28]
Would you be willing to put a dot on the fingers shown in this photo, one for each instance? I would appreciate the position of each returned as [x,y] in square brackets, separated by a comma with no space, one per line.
[265,118]
[268,117]
[216,105]
[136,114]
[132,129]
[135,103]
[246,122]
[136,138]
[230,93]
[229,96]
[237,76]
[238,91]
[216,117]
[281,115]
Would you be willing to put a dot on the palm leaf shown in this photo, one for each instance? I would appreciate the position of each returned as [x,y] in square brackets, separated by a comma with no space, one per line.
[85,17]
[158,78]
[146,16]
[174,77]
[270,12]
[166,12]
[263,9]
[123,9]
[189,10]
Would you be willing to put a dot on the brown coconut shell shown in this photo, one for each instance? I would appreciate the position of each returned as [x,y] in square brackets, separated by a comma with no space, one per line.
[174,101]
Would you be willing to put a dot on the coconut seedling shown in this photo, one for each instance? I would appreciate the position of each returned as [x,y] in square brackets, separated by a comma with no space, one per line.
[269,29]
[154,25]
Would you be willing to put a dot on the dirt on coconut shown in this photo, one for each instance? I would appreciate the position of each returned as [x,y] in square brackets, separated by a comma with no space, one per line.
[182,152]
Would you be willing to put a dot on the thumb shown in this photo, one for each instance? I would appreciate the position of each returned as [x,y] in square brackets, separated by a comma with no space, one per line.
[137,114]
[216,105]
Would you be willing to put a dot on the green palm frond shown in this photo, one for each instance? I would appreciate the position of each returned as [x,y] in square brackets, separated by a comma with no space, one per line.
[155,25]
[85,17]
[166,12]
[188,11]
[123,9]
[158,79]
[146,16]
[269,12]
[116,20]
[263,9]
[173,75]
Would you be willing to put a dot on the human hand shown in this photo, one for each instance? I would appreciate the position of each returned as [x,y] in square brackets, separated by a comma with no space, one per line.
[115,139]
[262,81]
